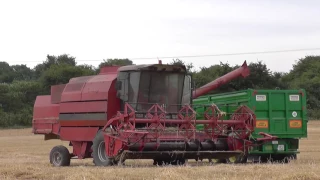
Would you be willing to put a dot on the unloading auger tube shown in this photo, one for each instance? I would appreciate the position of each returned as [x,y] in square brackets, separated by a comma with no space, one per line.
[172,140]
[241,71]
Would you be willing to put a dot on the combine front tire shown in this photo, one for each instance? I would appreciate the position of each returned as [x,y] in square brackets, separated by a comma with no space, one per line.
[100,157]
[60,156]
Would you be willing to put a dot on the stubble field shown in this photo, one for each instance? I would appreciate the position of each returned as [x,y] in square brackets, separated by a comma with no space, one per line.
[25,156]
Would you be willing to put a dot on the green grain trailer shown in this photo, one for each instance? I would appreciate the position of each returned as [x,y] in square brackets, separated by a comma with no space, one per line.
[280,113]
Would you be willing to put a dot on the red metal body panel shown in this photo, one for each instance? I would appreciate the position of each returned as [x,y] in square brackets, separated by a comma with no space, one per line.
[241,71]
[87,106]
[73,89]
[97,88]
[78,133]
[86,123]
[113,101]
[43,109]
[87,94]
[88,88]
[45,127]
[45,116]
[81,149]
[109,70]
[56,92]
[90,94]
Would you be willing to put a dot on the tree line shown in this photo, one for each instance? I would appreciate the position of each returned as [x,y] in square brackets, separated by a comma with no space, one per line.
[19,84]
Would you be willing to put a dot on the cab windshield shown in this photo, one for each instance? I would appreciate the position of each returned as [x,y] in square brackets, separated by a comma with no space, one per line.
[168,89]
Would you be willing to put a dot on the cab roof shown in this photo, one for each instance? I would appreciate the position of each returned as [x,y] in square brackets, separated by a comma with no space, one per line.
[153,67]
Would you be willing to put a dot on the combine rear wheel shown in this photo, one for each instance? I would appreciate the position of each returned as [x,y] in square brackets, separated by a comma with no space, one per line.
[60,156]
[100,157]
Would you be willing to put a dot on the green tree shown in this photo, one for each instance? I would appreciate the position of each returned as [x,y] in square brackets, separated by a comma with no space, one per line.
[61,74]
[208,74]
[260,78]
[6,73]
[17,99]
[22,72]
[18,94]
[305,74]
[189,66]
[63,59]
[115,62]
[16,72]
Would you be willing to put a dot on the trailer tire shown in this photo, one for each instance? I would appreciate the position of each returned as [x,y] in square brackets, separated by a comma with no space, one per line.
[178,162]
[283,158]
[60,156]
[175,162]
[261,159]
[289,158]
[217,161]
[99,154]
[240,159]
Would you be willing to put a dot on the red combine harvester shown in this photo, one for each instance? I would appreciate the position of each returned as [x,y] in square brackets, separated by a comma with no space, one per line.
[139,112]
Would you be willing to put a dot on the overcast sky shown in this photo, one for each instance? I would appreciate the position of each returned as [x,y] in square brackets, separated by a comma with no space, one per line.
[96,30]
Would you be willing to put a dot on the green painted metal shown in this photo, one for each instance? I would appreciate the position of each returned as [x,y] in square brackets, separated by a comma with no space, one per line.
[279,146]
[281,113]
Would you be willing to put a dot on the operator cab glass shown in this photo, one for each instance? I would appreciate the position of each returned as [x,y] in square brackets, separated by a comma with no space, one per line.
[144,88]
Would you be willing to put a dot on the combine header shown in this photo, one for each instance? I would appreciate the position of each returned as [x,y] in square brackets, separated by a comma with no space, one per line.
[140,112]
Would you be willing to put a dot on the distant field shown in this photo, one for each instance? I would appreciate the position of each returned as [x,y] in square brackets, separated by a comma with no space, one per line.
[26,156]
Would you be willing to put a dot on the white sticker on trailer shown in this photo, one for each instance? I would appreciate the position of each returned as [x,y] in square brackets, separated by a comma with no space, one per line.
[281,147]
[261,97]
[294,97]
[294,114]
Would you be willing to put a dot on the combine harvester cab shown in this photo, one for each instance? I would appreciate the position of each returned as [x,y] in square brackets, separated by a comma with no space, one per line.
[281,115]
[140,112]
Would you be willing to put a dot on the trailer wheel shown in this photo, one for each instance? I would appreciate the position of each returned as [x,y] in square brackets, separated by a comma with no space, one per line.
[157,162]
[178,162]
[100,157]
[283,158]
[237,159]
[217,161]
[60,156]
[261,159]
[289,158]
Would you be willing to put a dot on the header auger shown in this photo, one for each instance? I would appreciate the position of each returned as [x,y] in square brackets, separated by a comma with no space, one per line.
[140,112]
